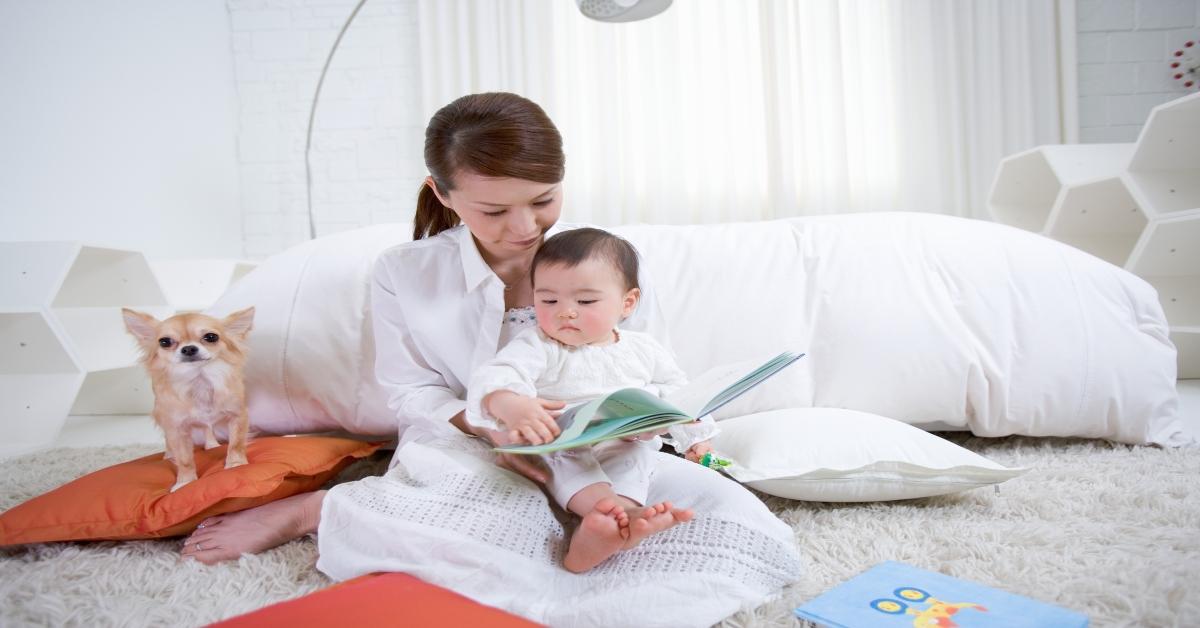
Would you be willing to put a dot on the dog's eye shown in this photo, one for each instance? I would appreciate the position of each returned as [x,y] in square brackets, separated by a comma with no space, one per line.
[165,343]
[211,337]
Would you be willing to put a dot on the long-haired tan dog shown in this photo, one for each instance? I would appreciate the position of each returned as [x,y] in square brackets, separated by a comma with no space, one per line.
[195,363]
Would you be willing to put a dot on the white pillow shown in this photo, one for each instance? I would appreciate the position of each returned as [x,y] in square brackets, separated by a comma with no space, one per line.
[311,365]
[836,455]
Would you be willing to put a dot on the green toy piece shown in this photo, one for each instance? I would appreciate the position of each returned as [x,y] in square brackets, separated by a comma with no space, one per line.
[713,462]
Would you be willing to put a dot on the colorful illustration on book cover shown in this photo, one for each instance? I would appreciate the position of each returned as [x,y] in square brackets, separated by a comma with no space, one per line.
[936,614]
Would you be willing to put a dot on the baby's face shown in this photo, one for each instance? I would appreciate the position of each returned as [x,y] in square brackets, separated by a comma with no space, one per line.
[581,305]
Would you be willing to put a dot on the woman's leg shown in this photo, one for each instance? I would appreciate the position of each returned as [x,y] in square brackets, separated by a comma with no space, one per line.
[227,537]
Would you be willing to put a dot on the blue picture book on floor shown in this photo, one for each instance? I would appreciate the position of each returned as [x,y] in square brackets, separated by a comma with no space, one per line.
[896,594]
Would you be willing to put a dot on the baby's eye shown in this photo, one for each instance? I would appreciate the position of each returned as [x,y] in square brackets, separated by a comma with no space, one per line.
[211,337]
[165,342]
[588,302]
[549,301]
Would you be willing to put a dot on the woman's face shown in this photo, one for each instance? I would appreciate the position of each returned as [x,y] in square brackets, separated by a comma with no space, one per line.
[506,216]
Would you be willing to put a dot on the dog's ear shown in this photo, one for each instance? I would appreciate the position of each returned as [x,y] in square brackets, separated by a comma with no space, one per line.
[240,322]
[143,326]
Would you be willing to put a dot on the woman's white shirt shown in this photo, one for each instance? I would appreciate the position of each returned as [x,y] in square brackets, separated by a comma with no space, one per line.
[437,309]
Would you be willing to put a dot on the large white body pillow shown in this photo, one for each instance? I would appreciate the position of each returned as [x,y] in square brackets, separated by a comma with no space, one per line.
[936,321]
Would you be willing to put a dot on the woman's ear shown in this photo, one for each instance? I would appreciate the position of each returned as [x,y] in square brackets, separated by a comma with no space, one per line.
[631,301]
[438,193]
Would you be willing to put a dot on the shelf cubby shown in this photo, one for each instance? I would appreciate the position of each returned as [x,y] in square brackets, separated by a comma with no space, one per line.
[1100,217]
[1164,171]
[1028,184]
[191,285]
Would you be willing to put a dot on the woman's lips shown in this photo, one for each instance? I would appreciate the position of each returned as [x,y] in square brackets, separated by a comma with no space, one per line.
[529,242]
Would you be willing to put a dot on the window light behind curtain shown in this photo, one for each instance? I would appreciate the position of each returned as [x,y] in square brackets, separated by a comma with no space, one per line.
[722,110]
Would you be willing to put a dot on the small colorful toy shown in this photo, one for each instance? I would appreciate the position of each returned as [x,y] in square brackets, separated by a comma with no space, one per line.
[1185,65]
[713,462]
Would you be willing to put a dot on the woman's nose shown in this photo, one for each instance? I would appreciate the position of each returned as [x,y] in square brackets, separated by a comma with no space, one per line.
[523,222]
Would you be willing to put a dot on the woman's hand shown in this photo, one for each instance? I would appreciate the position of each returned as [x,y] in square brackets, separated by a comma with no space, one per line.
[528,466]
[527,418]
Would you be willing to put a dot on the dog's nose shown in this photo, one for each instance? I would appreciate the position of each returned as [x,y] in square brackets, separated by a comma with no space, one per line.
[189,350]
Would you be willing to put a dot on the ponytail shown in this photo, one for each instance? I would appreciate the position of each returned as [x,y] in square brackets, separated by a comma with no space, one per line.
[432,217]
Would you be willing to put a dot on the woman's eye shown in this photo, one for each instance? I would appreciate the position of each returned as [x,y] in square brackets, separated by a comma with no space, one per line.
[165,343]
[494,214]
[543,203]
[211,337]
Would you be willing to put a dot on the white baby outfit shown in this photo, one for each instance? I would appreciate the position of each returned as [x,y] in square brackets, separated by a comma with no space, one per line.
[536,365]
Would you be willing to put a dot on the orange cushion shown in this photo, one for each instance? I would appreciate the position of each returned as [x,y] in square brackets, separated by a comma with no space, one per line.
[131,500]
[390,599]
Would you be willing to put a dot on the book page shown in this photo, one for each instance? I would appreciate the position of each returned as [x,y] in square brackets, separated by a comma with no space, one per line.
[722,384]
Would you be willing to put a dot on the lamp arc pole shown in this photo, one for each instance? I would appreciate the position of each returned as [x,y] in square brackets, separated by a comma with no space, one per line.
[312,114]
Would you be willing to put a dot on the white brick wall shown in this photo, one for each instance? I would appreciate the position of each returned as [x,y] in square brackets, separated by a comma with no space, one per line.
[1124,51]
[367,138]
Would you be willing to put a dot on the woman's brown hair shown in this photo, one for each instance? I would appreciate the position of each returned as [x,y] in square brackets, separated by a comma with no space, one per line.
[495,134]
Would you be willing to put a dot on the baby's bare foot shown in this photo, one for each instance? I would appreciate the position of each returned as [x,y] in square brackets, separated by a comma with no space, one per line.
[600,535]
[654,519]
[227,537]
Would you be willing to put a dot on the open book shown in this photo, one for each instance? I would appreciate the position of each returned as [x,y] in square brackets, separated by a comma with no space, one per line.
[630,411]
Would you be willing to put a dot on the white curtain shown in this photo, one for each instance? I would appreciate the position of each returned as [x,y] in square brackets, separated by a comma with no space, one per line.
[724,110]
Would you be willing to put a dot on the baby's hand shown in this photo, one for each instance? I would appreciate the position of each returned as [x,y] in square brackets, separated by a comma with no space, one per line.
[527,419]
[697,451]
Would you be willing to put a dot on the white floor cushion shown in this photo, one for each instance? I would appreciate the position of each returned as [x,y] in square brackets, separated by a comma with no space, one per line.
[932,320]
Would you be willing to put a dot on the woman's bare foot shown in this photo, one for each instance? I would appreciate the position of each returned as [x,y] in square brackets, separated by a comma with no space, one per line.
[227,537]
[600,534]
[654,519]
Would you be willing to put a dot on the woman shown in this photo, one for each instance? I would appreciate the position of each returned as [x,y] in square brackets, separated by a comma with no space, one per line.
[442,305]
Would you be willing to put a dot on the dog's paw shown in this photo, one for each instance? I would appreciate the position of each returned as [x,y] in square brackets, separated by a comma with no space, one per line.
[179,484]
[235,462]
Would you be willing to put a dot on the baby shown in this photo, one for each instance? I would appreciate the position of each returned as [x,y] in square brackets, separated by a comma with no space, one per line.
[585,283]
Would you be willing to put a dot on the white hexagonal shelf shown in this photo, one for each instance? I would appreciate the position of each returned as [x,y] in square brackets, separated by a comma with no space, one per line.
[1164,172]
[1028,184]
[66,345]
[1168,256]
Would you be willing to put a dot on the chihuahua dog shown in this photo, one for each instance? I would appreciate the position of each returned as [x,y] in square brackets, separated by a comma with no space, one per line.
[195,363]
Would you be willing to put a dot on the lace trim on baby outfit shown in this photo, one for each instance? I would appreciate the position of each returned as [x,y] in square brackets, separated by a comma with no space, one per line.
[520,315]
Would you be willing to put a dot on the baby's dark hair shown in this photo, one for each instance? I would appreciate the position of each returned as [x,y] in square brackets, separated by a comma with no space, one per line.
[573,246]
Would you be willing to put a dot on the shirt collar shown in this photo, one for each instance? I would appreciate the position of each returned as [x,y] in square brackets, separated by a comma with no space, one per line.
[475,270]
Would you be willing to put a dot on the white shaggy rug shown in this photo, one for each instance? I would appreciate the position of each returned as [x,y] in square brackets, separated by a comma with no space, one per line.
[1109,530]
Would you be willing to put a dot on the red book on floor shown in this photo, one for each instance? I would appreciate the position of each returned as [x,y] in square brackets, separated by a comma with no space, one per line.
[389,599]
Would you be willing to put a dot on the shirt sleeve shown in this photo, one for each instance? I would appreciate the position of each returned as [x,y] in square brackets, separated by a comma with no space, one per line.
[684,435]
[516,367]
[416,392]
